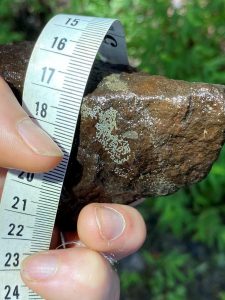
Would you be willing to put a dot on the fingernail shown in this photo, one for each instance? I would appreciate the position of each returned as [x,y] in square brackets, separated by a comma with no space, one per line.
[110,222]
[37,139]
[39,267]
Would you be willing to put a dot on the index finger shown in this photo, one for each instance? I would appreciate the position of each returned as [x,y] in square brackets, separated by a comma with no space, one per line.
[23,144]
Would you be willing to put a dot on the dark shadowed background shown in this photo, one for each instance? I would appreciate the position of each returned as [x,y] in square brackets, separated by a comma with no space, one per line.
[184,255]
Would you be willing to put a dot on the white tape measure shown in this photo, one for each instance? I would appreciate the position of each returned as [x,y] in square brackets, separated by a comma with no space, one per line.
[55,81]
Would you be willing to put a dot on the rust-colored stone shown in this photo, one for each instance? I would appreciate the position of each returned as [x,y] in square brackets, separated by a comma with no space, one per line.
[14,59]
[138,136]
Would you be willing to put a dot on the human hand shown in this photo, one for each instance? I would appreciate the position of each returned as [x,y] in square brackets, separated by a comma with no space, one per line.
[79,272]
[82,272]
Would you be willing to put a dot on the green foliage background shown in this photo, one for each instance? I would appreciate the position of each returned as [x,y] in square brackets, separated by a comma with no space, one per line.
[184,255]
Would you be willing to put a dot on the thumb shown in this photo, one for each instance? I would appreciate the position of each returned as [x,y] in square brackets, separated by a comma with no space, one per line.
[76,273]
[23,145]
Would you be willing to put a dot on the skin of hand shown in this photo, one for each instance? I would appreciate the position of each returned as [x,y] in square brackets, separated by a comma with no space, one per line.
[78,272]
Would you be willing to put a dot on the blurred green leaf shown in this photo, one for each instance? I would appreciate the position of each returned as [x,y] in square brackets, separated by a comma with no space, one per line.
[186,229]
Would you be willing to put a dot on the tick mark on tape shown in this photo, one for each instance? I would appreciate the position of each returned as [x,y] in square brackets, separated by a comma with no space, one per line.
[62,94]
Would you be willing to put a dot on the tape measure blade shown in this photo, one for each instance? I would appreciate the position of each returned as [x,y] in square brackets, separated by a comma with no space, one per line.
[55,82]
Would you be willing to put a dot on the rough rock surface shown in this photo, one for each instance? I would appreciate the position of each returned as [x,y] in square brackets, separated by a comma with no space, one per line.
[144,135]
[14,59]
[139,136]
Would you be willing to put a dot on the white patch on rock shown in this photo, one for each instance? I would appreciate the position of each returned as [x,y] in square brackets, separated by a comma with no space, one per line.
[89,112]
[160,185]
[130,134]
[114,83]
[121,172]
[116,145]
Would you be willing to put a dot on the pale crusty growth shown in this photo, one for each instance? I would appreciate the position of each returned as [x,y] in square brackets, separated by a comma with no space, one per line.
[151,137]
[115,84]
[116,145]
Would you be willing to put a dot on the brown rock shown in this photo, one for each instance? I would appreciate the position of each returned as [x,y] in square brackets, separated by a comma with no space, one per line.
[14,59]
[140,136]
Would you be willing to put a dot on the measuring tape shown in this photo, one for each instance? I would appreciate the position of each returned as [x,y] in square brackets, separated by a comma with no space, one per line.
[55,82]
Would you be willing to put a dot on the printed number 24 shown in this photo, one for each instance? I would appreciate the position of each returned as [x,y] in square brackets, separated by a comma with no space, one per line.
[11,293]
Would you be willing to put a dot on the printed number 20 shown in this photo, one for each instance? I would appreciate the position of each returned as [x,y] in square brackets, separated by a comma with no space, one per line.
[28,176]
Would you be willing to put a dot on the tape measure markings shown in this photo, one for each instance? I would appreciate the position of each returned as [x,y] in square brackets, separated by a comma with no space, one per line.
[55,82]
